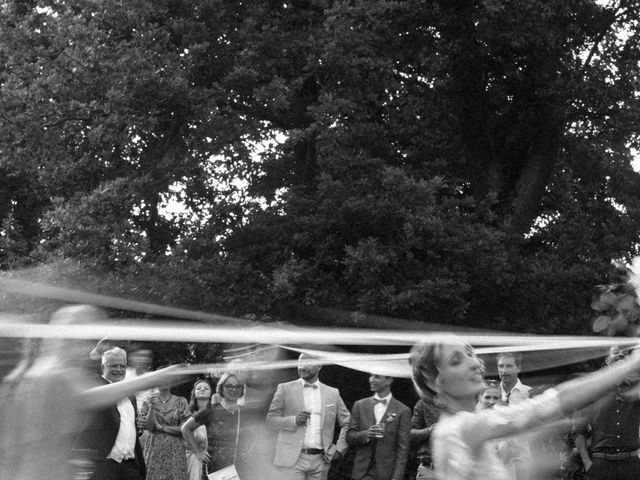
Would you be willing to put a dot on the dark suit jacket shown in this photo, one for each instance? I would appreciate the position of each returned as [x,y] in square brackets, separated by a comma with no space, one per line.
[99,432]
[390,452]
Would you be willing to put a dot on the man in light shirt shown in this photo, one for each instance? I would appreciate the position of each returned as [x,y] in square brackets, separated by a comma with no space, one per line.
[304,413]
[109,437]
[512,389]
[379,430]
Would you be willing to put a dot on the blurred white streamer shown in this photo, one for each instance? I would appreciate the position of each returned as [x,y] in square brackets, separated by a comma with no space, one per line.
[541,352]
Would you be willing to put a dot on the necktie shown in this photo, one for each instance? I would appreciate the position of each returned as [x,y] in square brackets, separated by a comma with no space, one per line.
[310,385]
[383,401]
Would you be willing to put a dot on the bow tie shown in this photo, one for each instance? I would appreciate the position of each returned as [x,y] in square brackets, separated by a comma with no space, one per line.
[310,385]
[383,401]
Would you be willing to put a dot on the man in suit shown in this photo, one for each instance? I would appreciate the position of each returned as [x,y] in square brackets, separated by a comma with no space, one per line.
[304,413]
[109,436]
[379,430]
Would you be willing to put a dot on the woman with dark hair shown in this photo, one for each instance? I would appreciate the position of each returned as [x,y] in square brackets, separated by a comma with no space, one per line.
[226,431]
[463,441]
[200,399]
[164,450]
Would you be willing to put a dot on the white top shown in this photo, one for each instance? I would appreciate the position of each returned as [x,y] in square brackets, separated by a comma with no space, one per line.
[379,408]
[453,456]
[518,393]
[125,445]
[313,404]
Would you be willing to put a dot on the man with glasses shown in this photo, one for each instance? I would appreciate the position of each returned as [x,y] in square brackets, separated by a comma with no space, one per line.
[304,413]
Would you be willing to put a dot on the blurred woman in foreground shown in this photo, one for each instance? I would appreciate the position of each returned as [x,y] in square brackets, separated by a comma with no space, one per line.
[46,397]
[464,440]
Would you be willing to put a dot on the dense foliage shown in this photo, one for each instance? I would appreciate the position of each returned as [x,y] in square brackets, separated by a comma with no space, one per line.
[466,162]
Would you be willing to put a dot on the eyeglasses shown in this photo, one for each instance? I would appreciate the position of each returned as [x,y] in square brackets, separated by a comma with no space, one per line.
[234,387]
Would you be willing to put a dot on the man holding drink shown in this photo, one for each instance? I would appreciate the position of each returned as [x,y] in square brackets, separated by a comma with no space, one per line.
[379,429]
[304,412]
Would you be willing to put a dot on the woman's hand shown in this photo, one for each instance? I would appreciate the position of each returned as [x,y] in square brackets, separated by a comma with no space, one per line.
[153,398]
[203,456]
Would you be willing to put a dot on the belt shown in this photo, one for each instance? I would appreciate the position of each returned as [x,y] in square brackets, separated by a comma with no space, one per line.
[312,451]
[124,460]
[615,456]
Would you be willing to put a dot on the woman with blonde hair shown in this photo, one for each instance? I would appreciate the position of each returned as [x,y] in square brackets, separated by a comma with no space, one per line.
[464,439]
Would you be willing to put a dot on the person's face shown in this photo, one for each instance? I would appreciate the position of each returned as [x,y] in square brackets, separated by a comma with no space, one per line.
[615,355]
[508,370]
[490,397]
[379,383]
[141,359]
[459,371]
[232,389]
[203,390]
[115,368]
[308,371]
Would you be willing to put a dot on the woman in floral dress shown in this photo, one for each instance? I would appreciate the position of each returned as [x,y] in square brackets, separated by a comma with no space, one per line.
[164,449]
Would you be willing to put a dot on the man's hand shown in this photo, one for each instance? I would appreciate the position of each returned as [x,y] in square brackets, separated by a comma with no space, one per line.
[587,464]
[302,417]
[375,431]
[337,456]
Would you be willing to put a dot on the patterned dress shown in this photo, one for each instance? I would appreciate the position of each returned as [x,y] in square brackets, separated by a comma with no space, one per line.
[164,454]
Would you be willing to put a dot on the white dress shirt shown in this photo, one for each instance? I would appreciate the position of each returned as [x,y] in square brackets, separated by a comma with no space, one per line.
[380,408]
[313,404]
[518,393]
[124,447]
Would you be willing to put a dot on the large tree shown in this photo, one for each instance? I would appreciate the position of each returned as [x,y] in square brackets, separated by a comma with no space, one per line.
[459,161]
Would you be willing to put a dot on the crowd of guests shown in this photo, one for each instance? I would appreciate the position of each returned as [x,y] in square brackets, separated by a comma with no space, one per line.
[463,426]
